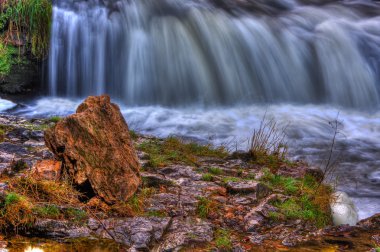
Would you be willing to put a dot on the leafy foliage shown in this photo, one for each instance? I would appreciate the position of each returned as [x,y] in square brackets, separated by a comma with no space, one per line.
[5,59]
[29,17]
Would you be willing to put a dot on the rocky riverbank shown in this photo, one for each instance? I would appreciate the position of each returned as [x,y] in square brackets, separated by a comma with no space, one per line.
[191,197]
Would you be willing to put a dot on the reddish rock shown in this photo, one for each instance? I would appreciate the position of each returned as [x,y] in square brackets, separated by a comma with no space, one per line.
[96,149]
[372,222]
[47,169]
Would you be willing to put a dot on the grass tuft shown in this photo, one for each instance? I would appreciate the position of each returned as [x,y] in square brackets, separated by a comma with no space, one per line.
[223,240]
[215,170]
[16,212]
[205,207]
[207,177]
[55,119]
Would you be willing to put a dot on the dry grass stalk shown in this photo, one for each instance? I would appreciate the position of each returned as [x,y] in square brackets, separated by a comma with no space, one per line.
[269,139]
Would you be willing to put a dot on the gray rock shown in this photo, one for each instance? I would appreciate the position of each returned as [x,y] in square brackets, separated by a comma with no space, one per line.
[259,214]
[180,171]
[137,232]
[11,148]
[37,135]
[186,232]
[260,189]
[59,229]
[155,180]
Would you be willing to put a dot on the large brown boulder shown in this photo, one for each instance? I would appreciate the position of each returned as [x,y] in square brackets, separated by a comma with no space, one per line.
[96,149]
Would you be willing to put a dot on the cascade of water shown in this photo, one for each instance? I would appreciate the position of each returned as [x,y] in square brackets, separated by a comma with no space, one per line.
[189,52]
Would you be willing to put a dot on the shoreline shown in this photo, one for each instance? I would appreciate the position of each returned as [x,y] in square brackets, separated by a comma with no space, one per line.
[217,174]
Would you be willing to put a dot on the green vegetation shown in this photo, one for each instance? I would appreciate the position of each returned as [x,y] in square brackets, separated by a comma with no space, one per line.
[205,206]
[6,59]
[135,205]
[133,135]
[19,165]
[29,18]
[55,119]
[53,212]
[44,190]
[308,200]
[75,214]
[207,177]
[22,203]
[15,212]
[173,150]
[48,211]
[288,184]
[377,249]
[223,240]
[215,170]
[230,179]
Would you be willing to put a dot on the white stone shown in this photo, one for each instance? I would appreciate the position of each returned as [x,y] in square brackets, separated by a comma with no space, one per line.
[343,210]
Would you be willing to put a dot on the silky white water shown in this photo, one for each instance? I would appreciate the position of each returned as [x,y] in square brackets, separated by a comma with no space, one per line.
[181,53]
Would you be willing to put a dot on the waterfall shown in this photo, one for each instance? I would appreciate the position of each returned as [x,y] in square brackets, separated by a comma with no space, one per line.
[178,53]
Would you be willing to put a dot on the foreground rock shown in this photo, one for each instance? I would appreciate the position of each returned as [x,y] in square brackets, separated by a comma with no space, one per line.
[96,150]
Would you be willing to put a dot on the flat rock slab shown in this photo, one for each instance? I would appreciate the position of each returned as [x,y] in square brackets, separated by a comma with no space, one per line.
[60,229]
[186,232]
[260,189]
[138,232]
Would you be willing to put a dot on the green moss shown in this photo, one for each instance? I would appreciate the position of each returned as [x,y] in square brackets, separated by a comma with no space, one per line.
[15,212]
[207,177]
[55,119]
[12,198]
[230,179]
[215,170]
[172,150]
[223,239]
[75,214]
[48,211]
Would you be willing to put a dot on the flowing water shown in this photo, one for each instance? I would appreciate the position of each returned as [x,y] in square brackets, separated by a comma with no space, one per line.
[210,70]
